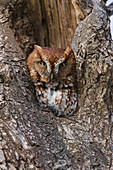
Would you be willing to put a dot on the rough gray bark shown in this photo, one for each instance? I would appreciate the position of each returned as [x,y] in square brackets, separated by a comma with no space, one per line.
[31,138]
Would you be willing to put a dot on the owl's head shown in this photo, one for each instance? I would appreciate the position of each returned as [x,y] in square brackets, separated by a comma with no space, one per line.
[52,64]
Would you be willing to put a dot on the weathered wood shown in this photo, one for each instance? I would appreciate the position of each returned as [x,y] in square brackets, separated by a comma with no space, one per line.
[31,138]
[54,22]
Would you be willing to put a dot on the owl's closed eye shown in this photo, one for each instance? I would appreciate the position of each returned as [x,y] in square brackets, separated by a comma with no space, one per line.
[53,71]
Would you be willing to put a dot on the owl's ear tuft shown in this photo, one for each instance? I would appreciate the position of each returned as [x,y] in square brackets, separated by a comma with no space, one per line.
[68,50]
[38,49]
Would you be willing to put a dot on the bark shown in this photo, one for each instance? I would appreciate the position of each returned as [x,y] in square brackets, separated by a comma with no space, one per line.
[31,138]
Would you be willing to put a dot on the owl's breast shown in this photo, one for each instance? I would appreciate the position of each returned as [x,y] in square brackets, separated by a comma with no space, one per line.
[62,102]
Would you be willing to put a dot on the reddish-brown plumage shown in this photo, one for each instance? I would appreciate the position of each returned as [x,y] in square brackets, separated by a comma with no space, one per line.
[53,71]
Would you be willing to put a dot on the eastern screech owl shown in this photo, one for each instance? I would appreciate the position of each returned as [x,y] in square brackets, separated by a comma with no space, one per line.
[53,72]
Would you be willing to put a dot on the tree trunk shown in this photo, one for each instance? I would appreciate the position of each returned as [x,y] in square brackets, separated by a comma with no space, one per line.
[32,138]
[55,21]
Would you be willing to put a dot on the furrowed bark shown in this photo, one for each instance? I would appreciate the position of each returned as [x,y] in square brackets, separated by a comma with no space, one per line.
[31,138]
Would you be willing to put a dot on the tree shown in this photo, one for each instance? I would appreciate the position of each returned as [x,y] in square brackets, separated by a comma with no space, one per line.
[32,138]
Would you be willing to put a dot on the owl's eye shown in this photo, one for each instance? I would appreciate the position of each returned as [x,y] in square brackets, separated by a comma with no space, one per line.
[42,63]
[63,64]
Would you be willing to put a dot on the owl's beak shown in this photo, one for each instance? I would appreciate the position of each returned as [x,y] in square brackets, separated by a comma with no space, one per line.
[51,76]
